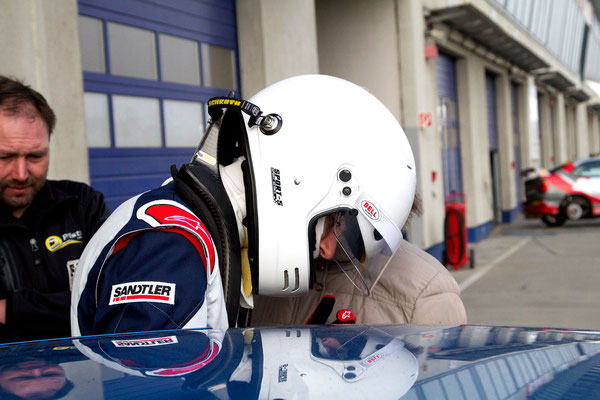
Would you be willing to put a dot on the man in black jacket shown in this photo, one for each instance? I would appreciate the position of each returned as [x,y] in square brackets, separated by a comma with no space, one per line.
[44,224]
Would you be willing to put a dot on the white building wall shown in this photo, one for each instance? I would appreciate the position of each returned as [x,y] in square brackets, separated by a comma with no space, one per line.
[582,138]
[357,41]
[560,130]
[39,43]
[419,94]
[530,133]
[525,143]
[571,132]
[474,140]
[505,142]
[546,132]
[594,129]
[276,40]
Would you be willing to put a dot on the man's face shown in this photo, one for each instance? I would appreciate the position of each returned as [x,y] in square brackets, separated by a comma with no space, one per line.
[24,159]
[32,378]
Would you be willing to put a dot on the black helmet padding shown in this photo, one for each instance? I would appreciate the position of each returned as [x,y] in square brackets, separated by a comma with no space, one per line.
[203,192]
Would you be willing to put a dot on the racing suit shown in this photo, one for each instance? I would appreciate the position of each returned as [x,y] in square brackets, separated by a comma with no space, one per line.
[152,265]
[39,253]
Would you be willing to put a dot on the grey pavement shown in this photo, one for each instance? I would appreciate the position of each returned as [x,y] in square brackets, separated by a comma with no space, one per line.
[532,275]
[489,252]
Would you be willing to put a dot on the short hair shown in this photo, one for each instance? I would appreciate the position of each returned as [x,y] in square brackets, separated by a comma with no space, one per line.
[15,97]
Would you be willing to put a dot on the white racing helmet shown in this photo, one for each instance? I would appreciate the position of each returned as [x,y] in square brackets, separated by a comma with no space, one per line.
[346,362]
[309,147]
[337,150]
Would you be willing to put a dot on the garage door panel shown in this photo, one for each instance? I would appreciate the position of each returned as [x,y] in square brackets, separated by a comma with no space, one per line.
[107,165]
[139,119]
[118,189]
[448,121]
[176,16]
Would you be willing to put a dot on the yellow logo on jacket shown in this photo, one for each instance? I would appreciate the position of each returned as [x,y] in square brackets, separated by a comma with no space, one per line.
[55,243]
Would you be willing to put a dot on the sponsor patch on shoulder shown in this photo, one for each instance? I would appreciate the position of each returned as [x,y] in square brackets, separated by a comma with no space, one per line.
[144,291]
[148,342]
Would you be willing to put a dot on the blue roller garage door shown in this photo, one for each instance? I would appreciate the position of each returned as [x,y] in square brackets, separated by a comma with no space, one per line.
[517,143]
[149,67]
[448,120]
[495,198]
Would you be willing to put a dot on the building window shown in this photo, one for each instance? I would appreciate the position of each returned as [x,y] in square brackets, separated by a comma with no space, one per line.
[184,123]
[180,60]
[132,51]
[137,121]
[97,120]
[91,38]
[219,67]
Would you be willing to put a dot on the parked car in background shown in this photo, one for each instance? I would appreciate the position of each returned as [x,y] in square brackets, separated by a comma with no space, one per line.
[570,191]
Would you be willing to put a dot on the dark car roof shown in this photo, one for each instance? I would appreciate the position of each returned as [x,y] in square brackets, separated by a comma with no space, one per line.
[451,362]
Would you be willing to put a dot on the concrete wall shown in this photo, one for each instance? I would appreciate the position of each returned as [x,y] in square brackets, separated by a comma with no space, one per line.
[474,139]
[419,91]
[571,132]
[531,125]
[505,142]
[582,138]
[39,43]
[357,41]
[546,131]
[594,130]
[560,130]
[522,96]
[277,39]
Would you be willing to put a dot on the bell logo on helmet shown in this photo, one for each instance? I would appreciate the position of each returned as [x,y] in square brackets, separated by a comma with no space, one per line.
[370,210]
[376,357]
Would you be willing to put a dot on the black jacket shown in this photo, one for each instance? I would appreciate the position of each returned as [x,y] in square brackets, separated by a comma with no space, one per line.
[38,256]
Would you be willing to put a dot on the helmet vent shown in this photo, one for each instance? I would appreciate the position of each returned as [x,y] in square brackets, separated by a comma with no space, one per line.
[286,280]
[297,276]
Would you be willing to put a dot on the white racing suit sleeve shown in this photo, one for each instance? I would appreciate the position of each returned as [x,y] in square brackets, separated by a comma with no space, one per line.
[158,271]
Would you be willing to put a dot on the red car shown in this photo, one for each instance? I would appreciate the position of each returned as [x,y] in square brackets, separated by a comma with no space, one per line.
[571,191]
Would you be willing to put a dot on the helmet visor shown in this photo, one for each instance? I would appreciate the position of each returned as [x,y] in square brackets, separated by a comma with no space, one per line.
[356,246]
[351,343]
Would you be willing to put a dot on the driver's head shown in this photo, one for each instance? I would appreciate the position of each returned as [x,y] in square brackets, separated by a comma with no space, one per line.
[328,243]
[335,180]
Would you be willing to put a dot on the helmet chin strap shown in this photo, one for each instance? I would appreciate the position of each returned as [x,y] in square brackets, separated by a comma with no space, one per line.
[233,180]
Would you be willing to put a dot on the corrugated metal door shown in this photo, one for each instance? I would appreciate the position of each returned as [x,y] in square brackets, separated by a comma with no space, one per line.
[555,147]
[492,123]
[514,93]
[448,123]
[492,119]
[149,67]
